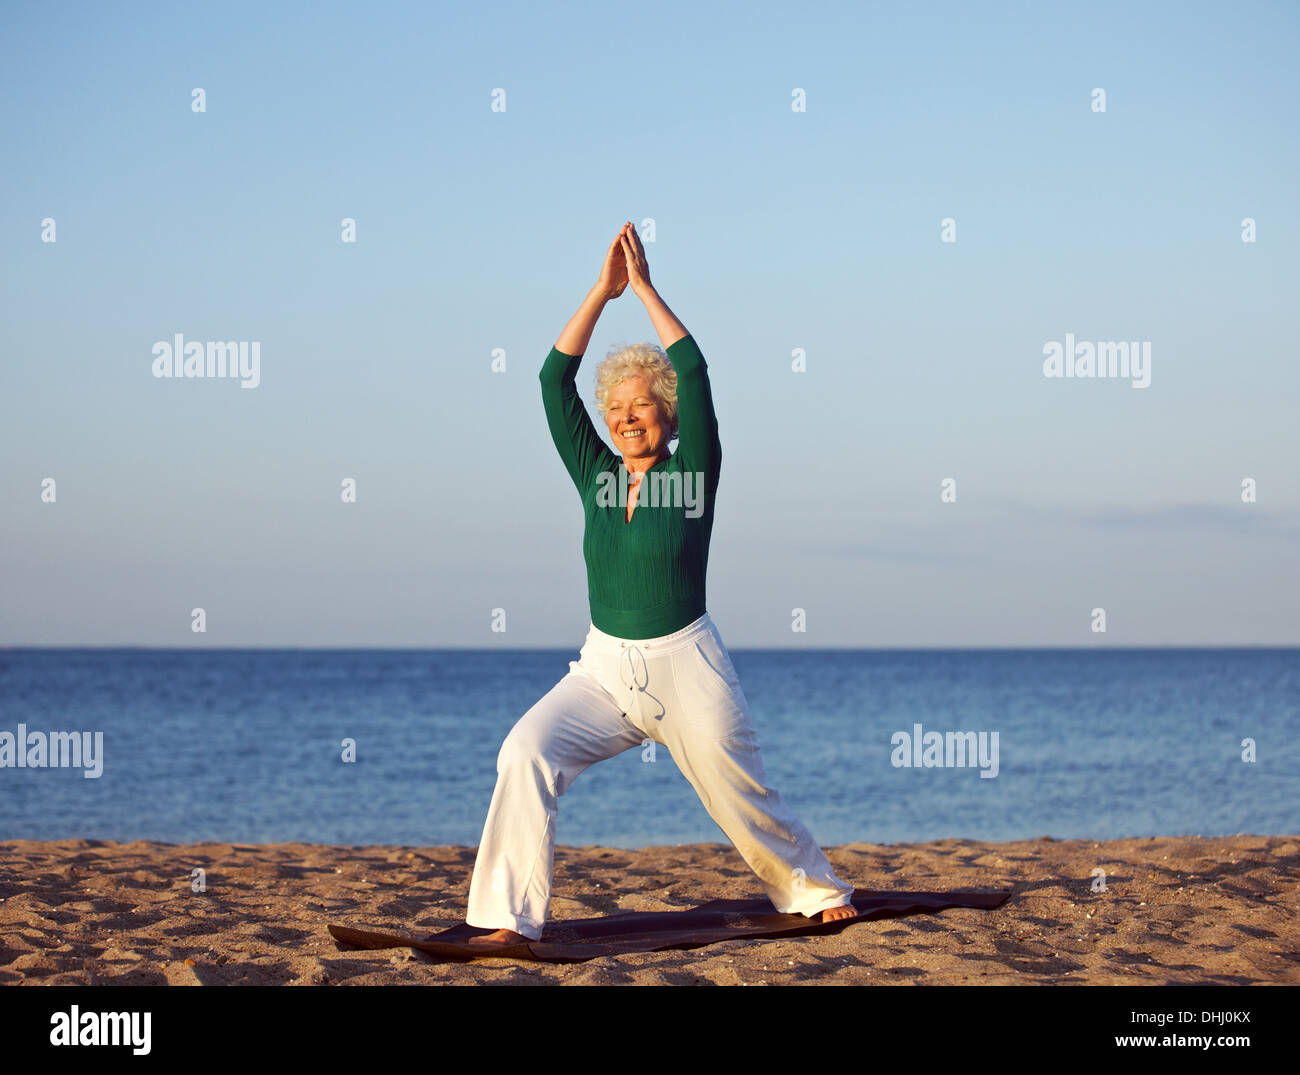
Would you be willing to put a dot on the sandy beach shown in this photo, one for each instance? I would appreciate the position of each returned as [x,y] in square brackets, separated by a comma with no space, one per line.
[1186,910]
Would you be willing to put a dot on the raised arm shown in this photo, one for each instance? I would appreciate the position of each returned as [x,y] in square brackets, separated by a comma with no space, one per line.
[698,444]
[583,452]
[575,437]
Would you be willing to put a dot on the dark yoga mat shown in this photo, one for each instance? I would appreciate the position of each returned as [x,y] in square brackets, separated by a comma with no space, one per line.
[578,939]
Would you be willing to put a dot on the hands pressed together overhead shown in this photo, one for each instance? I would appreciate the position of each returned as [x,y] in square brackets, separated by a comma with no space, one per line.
[625,264]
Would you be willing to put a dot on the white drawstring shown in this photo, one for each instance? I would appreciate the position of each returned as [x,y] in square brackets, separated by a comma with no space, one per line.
[639,682]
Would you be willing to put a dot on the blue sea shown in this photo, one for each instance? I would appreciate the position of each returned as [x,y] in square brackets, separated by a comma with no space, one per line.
[247,745]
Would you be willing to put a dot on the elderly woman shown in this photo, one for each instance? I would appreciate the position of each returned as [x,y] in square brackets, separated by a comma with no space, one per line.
[653,666]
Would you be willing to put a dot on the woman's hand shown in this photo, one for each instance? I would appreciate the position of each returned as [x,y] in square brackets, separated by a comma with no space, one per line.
[613,274]
[638,272]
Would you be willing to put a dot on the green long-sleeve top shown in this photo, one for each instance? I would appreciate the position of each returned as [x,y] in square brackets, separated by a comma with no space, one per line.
[645,578]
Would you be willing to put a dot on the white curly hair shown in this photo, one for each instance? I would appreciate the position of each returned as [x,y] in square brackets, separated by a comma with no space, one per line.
[644,360]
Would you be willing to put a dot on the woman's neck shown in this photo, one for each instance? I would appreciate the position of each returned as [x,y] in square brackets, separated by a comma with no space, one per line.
[640,466]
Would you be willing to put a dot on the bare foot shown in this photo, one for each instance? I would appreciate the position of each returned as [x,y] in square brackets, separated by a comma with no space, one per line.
[832,914]
[499,936]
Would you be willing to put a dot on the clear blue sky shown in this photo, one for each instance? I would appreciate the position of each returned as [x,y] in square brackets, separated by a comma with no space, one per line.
[774,230]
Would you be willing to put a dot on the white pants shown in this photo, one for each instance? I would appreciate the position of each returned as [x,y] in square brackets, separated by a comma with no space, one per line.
[681,691]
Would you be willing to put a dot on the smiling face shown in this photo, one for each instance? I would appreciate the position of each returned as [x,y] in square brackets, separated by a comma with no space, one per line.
[635,419]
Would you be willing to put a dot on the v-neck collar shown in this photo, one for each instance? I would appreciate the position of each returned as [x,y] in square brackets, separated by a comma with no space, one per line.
[622,518]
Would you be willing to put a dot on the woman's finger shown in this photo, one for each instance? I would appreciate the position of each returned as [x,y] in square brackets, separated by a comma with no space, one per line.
[630,255]
[616,254]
